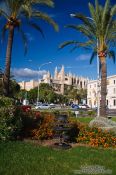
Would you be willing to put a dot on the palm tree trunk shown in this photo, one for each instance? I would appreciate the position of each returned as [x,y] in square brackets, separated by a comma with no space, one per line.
[6,77]
[103,87]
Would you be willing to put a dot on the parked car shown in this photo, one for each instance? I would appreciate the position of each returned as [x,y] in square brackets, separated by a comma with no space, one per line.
[83,106]
[37,103]
[74,106]
[52,105]
[43,106]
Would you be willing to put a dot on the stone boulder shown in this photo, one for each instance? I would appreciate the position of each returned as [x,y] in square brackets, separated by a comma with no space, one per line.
[104,124]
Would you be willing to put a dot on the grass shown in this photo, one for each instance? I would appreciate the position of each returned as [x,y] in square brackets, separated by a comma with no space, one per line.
[114,119]
[19,158]
[88,119]
[84,119]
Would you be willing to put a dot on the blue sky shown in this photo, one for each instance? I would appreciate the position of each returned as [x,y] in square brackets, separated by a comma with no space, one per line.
[44,50]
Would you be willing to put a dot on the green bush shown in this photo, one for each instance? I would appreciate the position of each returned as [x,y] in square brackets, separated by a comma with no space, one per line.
[10,123]
[6,102]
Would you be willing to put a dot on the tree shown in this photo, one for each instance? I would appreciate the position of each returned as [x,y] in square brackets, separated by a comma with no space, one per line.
[75,94]
[16,14]
[46,93]
[100,31]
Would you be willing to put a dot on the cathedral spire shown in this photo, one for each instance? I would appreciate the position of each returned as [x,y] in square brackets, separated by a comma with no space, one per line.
[56,73]
[62,69]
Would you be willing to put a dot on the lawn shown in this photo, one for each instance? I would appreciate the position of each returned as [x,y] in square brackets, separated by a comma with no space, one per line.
[84,119]
[88,119]
[19,158]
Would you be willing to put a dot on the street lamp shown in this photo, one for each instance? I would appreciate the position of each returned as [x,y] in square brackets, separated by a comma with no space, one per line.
[98,78]
[38,79]
[98,84]
[98,73]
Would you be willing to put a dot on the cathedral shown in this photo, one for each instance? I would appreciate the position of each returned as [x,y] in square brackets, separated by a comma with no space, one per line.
[60,80]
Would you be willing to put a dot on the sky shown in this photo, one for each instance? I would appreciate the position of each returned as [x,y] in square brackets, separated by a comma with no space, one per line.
[43,50]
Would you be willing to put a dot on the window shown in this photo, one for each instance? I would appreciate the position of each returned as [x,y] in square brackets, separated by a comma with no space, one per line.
[114,81]
[94,102]
[107,102]
[114,90]
[90,86]
[114,102]
[94,85]
[81,84]
[89,102]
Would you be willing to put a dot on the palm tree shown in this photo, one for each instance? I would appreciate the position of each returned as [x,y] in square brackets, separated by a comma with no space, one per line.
[17,13]
[100,32]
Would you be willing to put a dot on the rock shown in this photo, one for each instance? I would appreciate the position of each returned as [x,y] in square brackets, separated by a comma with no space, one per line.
[104,124]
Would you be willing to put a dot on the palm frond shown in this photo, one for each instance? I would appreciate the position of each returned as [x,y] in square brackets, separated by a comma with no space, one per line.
[35,26]
[24,39]
[66,43]
[112,55]
[45,17]
[83,29]
[113,10]
[88,44]
[92,11]
[26,10]
[14,7]
[3,32]
[106,11]
[86,21]
[3,13]
[49,3]
[93,56]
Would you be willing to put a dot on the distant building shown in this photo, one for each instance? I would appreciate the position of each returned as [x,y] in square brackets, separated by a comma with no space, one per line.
[27,85]
[111,93]
[59,81]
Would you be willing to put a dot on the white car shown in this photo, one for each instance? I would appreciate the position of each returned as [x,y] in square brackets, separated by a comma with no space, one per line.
[52,105]
[43,106]
[83,106]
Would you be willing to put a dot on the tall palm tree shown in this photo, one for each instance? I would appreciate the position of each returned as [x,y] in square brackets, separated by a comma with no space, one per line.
[17,13]
[100,32]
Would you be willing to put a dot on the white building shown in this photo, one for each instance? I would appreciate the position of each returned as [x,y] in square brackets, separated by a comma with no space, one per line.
[27,85]
[111,93]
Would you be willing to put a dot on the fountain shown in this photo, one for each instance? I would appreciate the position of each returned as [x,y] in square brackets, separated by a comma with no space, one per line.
[63,131]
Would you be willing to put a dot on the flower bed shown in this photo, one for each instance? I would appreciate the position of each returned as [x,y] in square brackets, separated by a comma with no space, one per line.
[96,137]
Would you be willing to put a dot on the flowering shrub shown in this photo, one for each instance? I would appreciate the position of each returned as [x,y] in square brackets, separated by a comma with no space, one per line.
[16,123]
[46,129]
[96,137]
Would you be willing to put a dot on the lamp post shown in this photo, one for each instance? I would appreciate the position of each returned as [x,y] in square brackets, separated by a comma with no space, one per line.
[38,79]
[98,73]
[98,84]
[98,78]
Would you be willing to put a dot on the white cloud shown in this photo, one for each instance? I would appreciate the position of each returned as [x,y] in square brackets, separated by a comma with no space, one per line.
[83,57]
[27,74]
